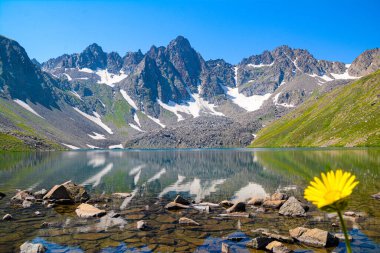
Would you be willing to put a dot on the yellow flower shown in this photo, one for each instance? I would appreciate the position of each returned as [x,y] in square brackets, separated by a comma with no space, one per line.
[332,188]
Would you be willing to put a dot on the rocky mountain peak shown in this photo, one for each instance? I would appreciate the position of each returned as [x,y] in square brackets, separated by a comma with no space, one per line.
[93,57]
[365,63]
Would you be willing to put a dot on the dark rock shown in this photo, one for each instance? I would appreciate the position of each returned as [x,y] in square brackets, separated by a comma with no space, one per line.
[292,207]
[226,203]
[237,207]
[180,200]
[187,221]
[76,192]
[314,237]
[57,192]
[113,214]
[7,217]
[175,206]
[29,247]
[259,242]
[275,204]
[2,195]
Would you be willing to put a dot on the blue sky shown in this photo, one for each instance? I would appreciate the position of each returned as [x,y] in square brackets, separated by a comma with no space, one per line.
[332,30]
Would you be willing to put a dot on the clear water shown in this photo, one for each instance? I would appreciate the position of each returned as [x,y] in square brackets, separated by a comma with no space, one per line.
[157,176]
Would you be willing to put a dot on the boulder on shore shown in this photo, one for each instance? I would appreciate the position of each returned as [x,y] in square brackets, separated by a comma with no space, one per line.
[292,207]
[277,237]
[314,237]
[76,192]
[279,196]
[259,242]
[57,192]
[40,194]
[28,247]
[88,211]
[67,192]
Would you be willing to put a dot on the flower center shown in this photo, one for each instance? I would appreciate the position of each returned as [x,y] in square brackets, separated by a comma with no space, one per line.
[332,196]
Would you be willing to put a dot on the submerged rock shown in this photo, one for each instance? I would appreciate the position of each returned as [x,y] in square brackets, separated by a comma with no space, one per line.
[237,214]
[237,207]
[121,195]
[277,237]
[28,247]
[277,247]
[88,211]
[292,207]
[180,200]
[259,242]
[21,196]
[175,206]
[187,221]
[40,194]
[314,237]
[7,217]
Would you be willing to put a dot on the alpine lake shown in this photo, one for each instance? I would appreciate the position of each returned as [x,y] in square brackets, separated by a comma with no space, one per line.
[155,177]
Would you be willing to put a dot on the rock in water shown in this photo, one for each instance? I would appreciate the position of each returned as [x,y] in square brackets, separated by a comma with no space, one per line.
[7,217]
[57,192]
[21,196]
[277,237]
[187,221]
[277,247]
[28,247]
[180,200]
[175,206]
[121,195]
[76,192]
[40,194]
[259,242]
[2,195]
[226,204]
[237,207]
[88,211]
[141,225]
[314,237]
[292,207]
[225,248]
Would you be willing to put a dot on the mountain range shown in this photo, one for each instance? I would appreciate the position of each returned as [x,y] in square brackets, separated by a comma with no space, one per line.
[167,97]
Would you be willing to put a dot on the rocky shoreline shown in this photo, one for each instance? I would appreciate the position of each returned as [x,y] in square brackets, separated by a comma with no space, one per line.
[183,217]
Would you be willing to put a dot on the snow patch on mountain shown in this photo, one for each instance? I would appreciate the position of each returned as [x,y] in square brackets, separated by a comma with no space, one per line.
[109,78]
[135,127]
[128,99]
[250,104]
[136,119]
[261,65]
[116,146]
[70,146]
[75,94]
[97,136]
[157,121]
[275,101]
[96,119]
[27,107]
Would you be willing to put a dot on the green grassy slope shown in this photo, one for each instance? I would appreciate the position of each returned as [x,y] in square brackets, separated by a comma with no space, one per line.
[347,116]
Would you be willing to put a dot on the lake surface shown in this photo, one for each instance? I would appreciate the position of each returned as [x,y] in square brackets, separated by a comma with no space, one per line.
[155,177]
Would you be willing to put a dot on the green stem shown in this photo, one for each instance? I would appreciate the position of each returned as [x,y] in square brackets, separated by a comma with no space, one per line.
[348,246]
